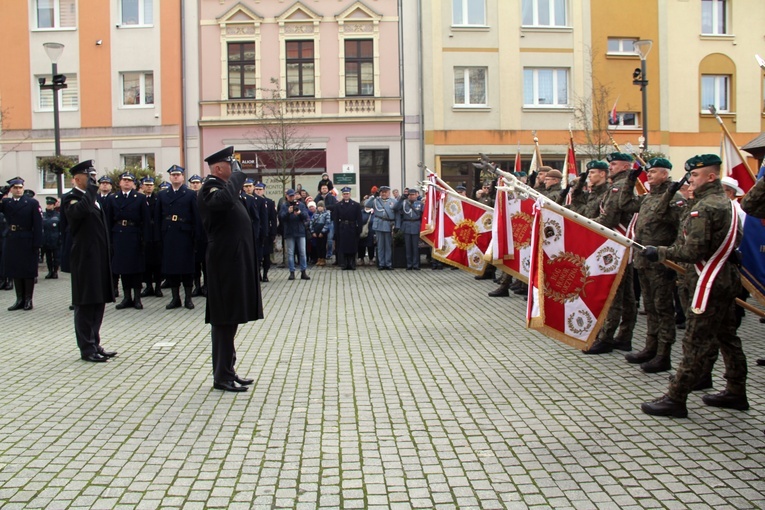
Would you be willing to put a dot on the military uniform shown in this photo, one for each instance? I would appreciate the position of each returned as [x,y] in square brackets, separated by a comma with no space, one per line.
[51,247]
[753,202]
[269,234]
[347,218]
[383,222]
[408,222]
[5,282]
[152,276]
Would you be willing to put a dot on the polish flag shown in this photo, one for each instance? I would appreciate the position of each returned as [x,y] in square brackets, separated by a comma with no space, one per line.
[734,164]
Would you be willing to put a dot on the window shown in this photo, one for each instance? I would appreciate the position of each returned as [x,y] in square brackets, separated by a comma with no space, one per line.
[241,70]
[68,98]
[359,68]
[620,46]
[137,161]
[56,13]
[544,13]
[50,179]
[137,12]
[715,90]
[300,69]
[545,87]
[470,86]
[469,12]
[713,17]
[137,89]
[626,120]
[374,168]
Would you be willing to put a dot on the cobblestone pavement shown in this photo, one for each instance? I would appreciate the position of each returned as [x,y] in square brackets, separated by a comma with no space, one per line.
[373,390]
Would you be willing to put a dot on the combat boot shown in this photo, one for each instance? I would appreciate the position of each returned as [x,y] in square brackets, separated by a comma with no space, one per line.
[660,363]
[54,276]
[727,400]
[158,289]
[3,283]
[29,290]
[304,275]
[188,303]
[502,290]
[137,301]
[265,276]
[50,271]
[599,347]
[19,304]
[665,406]
[147,291]
[197,288]
[8,284]
[176,301]
[647,354]
[127,299]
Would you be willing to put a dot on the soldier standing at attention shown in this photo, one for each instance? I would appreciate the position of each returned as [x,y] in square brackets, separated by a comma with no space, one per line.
[51,247]
[127,216]
[104,189]
[347,217]
[383,223]
[710,235]
[200,247]
[408,222]
[233,296]
[22,242]
[268,241]
[152,277]
[177,218]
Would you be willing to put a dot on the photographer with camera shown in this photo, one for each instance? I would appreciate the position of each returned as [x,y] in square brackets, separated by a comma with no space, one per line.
[293,215]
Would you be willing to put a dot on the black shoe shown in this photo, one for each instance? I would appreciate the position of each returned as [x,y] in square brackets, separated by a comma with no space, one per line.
[94,358]
[107,354]
[54,276]
[599,347]
[656,365]
[18,305]
[624,345]
[158,292]
[292,275]
[49,275]
[727,400]
[175,303]
[500,292]
[264,279]
[28,304]
[125,303]
[243,382]
[228,386]
[640,356]
[761,362]
[665,406]
[485,276]
[137,303]
[148,291]
[304,275]
[521,292]
[415,269]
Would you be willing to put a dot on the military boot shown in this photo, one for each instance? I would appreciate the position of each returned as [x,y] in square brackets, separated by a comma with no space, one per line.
[727,400]
[19,304]
[50,271]
[665,406]
[54,276]
[660,363]
[29,290]
[158,289]
[3,283]
[127,299]
[176,301]
[197,288]
[503,289]
[8,284]
[137,301]
[188,303]
[599,347]
[647,354]
[147,291]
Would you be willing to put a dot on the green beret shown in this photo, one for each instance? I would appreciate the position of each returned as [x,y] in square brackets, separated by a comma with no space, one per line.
[619,156]
[702,160]
[658,163]
[522,174]
[597,165]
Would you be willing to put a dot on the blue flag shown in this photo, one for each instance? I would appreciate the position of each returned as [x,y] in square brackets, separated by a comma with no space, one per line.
[753,253]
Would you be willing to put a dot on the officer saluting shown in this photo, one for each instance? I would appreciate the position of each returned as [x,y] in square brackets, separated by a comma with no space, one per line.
[233,292]
[23,239]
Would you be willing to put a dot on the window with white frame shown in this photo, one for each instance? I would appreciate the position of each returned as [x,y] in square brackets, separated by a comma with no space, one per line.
[626,120]
[68,98]
[469,12]
[241,70]
[470,86]
[714,17]
[137,160]
[545,87]
[715,90]
[359,67]
[56,13]
[137,12]
[544,13]
[137,89]
[621,46]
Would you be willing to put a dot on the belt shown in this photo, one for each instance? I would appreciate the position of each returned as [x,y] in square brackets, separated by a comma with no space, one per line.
[126,223]
[347,222]
[175,217]
[18,228]
[411,220]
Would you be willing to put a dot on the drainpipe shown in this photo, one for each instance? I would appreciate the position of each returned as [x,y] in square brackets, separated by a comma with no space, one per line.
[401,83]
[422,88]
[183,86]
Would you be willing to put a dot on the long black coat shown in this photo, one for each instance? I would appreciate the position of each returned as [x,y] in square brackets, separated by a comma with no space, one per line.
[347,218]
[268,244]
[251,206]
[177,220]
[128,218]
[23,238]
[153,247]
[66,235]
[51,229]
[89,258]
[233,288]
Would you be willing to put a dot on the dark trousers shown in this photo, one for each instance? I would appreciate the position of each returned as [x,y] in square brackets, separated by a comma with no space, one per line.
[153,275]
[266,262]
[321,247]
[51,258]
[223,352]
[412,247]
[87,327]
[131,281]
[175,280]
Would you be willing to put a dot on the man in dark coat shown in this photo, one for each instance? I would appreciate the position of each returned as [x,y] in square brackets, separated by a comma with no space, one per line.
[127,214]
[152,275]
[233,292]
[200,247]
[51,247]
[22,242]
[346,215]
[5,282]
[261,207]
[89,262]
[270,234]
[177,218]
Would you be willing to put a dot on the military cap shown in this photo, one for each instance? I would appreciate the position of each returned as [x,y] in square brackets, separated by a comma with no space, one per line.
[164,185]
[619,156]
[382,188]
[222,155]
[461,188]
[658,163]
[105,178]
[127,175]
[555,174]
[290,192]
[84,167]
[13,181]
[195,178]
[702,160]
[249,181]
[522,174]
[597,165]
[347,189]
[176,169]
[50,200]
[260,185]
[29,193]
[147,180]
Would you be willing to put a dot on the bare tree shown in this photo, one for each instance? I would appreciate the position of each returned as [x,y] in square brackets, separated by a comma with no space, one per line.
[591,114]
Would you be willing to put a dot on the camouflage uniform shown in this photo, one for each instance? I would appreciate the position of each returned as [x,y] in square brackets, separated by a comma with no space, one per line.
[588,203]
[656,225]
[703,232]
[754,201]
[623,307]
[553,192]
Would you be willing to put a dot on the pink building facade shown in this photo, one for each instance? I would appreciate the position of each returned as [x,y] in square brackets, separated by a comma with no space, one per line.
[317,81]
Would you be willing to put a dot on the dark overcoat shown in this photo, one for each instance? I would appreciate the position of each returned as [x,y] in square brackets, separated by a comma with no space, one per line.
[128,217]
[268,244]
[89,259]
[233,288]
[177,218]
[51,229]
[66,235]
[251,205]
[348,223]
[24,236]
[152,247]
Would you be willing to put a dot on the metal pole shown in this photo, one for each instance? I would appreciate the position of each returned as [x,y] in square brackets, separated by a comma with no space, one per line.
[57,132]
[644,88]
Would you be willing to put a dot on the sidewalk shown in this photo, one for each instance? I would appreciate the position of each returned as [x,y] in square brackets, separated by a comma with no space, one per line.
[373,390]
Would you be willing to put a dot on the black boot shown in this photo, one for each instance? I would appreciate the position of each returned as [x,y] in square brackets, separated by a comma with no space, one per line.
[188,303]
[660,363]
[50,271]
[148,291]
[727,400]
[3,283]
[176,302]
[158,289]
[197,288]
[8,284]
[292,275]
[265,276]
[29,290]
[54,276]
[19,304]
[647,354]
[137,301]
[665,406]
[304,275]
[127,299]
[599,347]
[165,285]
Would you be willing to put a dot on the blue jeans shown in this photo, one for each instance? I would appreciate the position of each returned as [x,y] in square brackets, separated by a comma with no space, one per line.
[330,240]
[290,242]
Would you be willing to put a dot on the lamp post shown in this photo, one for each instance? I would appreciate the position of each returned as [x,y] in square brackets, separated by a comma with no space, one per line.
[642,48]
[54,51]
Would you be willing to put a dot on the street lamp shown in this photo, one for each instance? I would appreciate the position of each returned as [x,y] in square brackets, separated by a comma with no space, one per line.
[639,77]
[54,51]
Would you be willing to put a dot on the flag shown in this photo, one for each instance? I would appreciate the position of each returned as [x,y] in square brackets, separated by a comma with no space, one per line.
[517,165]
[501,245]
[574,275]
[463,233]
[613,118]
[752,249]
[432,197]
[570,170]
[519,213]
[734,164]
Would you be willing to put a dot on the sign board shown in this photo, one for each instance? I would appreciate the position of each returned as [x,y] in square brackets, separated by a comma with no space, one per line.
[344,178]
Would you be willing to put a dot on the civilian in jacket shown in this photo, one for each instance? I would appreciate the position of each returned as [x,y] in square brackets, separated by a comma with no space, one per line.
[293,216]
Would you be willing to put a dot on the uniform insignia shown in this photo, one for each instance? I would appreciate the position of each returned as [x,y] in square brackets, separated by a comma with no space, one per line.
[614,190]
[694,214]
[73,201]
[212,190]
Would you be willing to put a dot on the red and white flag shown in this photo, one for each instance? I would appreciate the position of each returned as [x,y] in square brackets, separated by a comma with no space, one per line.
[574,276]
[518,217]
[463,233]
[517,165]
[427,221]
[734,164]
[501,246]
